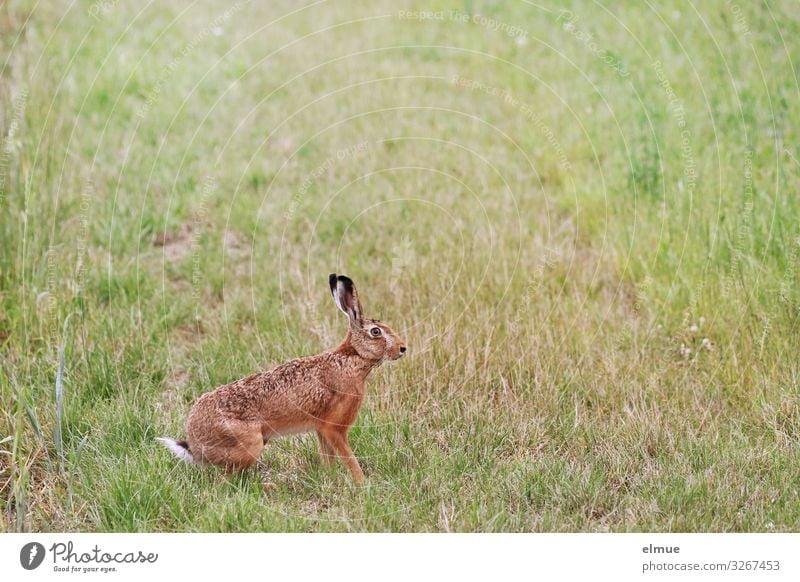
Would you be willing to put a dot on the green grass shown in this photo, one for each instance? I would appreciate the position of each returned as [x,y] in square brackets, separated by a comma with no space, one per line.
[544,220]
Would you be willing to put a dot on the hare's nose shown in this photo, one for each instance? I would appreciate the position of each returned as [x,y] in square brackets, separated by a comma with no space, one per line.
[402,349]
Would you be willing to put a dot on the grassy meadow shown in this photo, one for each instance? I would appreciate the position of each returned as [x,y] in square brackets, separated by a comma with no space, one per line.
[583,218]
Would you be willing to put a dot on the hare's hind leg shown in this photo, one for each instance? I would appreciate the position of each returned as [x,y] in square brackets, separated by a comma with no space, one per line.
[237,445]
[338,439]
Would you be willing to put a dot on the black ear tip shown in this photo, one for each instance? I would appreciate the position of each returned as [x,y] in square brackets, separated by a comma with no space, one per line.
[334,280]
[347,282]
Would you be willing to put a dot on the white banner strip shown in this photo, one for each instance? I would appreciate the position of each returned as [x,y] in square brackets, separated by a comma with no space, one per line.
[332,557]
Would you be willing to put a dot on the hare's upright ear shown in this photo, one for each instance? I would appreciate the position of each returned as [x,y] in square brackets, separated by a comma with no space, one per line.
[346,297]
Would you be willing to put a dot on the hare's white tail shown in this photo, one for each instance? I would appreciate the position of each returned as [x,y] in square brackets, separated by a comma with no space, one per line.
[178,448]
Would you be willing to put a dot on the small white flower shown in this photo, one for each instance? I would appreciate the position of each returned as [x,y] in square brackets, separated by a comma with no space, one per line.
[770,525]
[521,40]
[685,351]
[706,343]
[568,26]
[694,328]
[702,320]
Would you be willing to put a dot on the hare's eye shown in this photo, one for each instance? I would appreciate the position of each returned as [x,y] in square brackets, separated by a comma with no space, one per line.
[375,331]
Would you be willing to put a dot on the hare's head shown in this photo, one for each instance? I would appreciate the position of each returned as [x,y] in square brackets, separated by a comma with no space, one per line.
[371,338]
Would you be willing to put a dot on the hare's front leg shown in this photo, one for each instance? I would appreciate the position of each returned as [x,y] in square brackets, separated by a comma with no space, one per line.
[337,437]
[326,450]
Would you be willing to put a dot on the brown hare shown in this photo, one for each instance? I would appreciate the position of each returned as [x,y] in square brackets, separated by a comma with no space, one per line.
[230,425]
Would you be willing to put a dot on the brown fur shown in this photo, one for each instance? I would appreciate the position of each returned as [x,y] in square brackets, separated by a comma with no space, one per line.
[323,393]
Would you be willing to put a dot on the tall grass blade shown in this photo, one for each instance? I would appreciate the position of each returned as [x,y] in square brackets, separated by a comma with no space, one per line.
[59,435]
